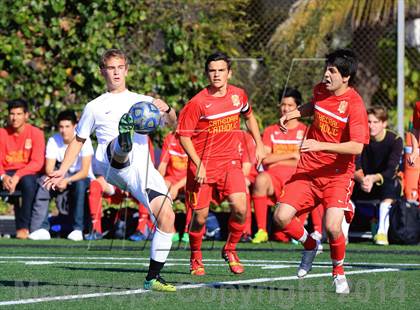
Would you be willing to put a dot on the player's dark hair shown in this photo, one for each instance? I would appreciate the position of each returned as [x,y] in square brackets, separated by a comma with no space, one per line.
[113,52]
[17,103]
[67,115]
[380,112]
[291,92]
[345,60]
[215,57]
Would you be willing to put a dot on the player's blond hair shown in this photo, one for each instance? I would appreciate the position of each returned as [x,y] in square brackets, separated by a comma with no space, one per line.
[113,52]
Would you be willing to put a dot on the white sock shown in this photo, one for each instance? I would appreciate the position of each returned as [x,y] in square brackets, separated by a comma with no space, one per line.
[304,237]
[161,245]
[384,217]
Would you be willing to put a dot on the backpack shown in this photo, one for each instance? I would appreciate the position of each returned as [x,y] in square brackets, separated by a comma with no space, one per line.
[404,222]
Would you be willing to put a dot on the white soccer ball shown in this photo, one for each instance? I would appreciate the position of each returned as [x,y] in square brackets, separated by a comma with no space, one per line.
[146,117]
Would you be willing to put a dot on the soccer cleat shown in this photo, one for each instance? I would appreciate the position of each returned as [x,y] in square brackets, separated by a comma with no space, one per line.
[94,235]
[159,285]
[75,235]
[185,238]
[126,132]
[231,257]
[341,285]
[40,234]
[137,236]
[197,267]
[308,257]
[381,239]
[260,237]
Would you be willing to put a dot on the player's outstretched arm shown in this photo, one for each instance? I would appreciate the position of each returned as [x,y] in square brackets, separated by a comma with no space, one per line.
[350,147]
[169,113]
[304,110]
[70,156]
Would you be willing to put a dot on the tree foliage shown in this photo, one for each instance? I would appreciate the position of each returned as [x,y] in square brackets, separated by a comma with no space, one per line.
[49,49]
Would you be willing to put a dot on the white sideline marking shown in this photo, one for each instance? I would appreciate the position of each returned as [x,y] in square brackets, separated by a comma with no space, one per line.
[181,287]
[257,261]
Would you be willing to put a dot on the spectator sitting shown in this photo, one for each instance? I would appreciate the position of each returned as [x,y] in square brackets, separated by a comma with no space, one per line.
[282,149]
[377,167]
[22,148]
[71,191]
[173,168]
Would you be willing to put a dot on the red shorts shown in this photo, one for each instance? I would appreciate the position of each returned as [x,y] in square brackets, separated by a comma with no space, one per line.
[227,181]
[304,193]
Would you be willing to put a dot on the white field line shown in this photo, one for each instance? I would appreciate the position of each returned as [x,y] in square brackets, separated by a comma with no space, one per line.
[181,287]
[258,261]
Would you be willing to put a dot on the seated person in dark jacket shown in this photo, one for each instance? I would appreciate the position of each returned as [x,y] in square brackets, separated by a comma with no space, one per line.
[377,168]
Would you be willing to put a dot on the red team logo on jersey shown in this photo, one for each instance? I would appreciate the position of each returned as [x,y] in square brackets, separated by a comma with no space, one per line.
[343,106]
[235,100]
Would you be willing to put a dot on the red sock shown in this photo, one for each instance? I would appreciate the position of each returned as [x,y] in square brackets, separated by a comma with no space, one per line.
[248,219]
[260,210]
[296,231]
[143,218]
[235,234]
[317,216]
[95,205]
[337,253]
[196,239]
[188,216]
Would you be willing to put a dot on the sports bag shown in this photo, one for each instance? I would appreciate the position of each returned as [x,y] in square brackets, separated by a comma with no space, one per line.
[404,222]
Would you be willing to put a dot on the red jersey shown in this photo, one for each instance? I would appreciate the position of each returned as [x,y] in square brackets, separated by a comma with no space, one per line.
[284,142]
[212,123]
[337,119]
[416,116]
[174,156]
[24,152]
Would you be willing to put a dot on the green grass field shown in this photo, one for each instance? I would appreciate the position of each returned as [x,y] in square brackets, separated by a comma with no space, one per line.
[66,275]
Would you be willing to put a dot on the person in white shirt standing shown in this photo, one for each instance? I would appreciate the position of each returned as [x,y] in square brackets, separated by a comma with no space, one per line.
[70,192]
[123,159]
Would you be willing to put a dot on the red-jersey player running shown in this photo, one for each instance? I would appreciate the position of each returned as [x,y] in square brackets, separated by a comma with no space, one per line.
[325,171]
[208,127]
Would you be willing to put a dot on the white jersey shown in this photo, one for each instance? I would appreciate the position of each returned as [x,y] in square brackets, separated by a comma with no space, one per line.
[56,149]
[102,115]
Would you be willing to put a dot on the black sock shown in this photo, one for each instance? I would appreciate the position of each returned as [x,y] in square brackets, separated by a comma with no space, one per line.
[154,269]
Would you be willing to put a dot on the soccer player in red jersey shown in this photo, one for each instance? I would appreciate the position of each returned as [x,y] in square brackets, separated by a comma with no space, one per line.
[173,168]
[208,128]
[325,171]
[282,149]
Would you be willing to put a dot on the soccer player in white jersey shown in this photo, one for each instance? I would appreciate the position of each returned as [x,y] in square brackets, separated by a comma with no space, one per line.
[122,157]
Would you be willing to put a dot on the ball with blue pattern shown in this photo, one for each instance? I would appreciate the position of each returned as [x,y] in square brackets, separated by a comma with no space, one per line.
[146,117]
